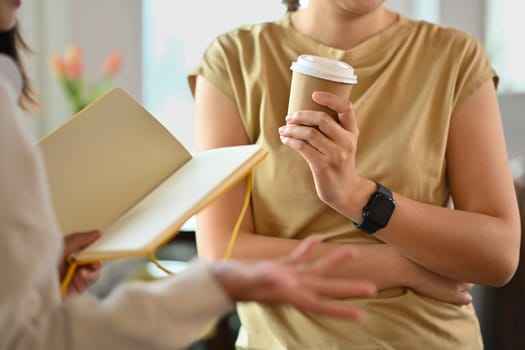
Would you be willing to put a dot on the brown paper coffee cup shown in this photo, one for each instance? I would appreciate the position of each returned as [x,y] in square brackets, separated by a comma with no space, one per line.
[314,73]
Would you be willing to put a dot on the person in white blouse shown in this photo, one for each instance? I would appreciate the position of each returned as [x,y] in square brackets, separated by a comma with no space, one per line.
[167,314]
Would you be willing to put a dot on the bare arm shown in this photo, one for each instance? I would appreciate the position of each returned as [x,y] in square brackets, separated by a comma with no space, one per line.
[218,124]
[479,241]
[481,238]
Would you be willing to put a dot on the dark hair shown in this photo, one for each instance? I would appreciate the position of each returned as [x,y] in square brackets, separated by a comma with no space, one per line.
[291,5]
[12,44]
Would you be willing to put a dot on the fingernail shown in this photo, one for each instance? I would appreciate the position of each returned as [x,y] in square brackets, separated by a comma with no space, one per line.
[288,118]
[282,129]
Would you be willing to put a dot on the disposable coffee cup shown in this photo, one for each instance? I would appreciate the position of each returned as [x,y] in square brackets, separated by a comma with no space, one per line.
[315,73]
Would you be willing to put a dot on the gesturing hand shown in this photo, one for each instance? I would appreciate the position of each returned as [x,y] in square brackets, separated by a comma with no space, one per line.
[300,279]
[85,275]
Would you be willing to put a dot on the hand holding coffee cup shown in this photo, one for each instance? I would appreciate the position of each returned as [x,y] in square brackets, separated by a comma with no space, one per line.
[315,73]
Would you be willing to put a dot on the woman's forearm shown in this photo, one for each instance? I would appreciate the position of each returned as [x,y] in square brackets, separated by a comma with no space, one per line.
[460,245]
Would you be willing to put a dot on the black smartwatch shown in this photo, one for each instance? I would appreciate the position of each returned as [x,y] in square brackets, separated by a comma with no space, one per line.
[378,210]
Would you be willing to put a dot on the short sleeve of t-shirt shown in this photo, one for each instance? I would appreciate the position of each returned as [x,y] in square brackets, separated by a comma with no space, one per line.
[474,67]
[218,66]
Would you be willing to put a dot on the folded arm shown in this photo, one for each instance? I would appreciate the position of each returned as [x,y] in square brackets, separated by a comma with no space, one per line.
[379,262]
[478,241]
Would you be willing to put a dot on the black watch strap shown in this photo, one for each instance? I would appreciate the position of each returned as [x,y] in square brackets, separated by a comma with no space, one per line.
[367,226]
[384,190]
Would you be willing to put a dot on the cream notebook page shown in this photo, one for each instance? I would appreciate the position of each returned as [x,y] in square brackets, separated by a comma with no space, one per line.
[114,167]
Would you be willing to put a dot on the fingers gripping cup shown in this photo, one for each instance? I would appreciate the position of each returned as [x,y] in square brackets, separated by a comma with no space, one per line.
[315,73]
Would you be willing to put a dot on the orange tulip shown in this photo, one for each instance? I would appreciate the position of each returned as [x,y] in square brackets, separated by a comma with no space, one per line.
[73,55]
[73,71]
[56,63]
[112,63]
[73,64]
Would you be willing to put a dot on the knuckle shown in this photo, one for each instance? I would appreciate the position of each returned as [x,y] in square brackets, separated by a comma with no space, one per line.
[301,146]
[310,132]
[298,114]
[323,121]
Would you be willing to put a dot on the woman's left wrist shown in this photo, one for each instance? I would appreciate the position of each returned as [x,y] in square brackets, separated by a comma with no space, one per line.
[354,201]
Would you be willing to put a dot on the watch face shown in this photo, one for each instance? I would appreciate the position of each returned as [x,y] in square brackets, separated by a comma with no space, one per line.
[380,210]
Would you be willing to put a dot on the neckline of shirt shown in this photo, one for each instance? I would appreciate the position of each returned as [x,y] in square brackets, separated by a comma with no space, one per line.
[375,45]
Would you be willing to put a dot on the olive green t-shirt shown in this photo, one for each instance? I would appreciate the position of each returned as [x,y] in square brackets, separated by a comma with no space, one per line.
[411,77]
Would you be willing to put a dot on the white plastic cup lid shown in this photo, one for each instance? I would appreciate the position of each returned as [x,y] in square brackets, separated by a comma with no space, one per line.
[325,68]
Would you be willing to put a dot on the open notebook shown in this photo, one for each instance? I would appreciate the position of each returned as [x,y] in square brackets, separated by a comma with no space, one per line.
[114,167]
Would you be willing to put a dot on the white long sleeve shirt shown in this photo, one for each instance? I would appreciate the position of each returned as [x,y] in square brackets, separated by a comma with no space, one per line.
[168,314]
